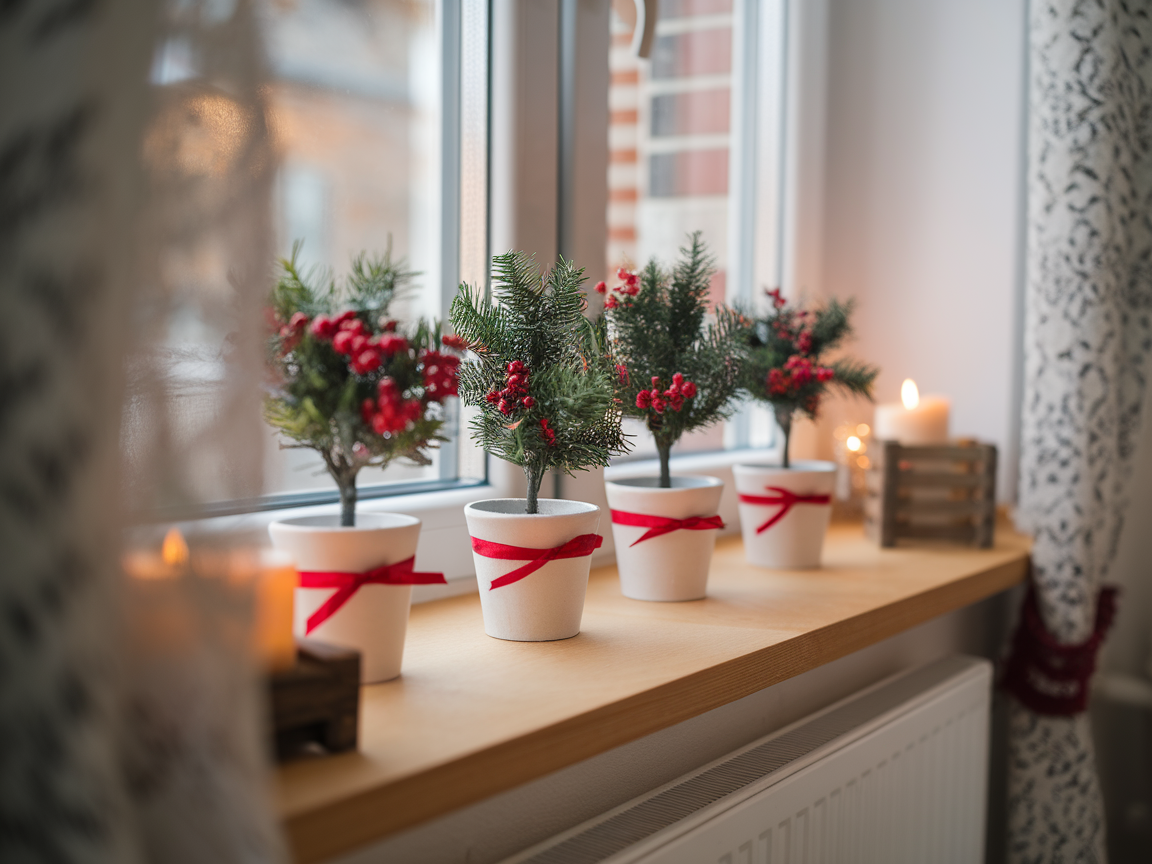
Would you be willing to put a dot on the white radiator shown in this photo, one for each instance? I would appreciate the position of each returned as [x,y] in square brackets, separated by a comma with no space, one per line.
[896,773]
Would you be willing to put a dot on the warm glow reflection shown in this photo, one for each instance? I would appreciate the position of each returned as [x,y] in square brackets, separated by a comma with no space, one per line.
[853,443]
[174,551]
[909,395]
[863,429]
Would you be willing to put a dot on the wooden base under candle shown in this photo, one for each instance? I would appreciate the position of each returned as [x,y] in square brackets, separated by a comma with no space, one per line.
[943,492]
[317,700]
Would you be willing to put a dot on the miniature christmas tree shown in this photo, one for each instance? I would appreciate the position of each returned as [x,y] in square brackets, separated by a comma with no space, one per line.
[784,366]
[351,384]
[678,370]
[541,377]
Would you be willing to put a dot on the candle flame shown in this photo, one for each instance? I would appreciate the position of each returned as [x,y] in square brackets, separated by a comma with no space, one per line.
[909,395]
[174,551]
[853,443]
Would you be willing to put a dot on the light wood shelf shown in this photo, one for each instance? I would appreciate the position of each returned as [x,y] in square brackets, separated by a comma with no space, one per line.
[473,716]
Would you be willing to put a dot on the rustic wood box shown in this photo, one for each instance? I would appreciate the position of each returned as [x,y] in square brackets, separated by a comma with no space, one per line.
[317,701]
[939,492]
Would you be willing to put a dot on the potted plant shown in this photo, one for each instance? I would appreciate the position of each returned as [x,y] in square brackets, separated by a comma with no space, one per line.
[785,509]
[544,386]
[355,386]
[679,370]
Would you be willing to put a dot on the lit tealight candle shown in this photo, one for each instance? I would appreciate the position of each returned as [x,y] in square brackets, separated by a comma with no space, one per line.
[917,421]
[275,593]
[268,573]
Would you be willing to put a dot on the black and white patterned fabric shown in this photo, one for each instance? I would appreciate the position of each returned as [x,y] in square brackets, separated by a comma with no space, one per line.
[119,742]
[1088,332]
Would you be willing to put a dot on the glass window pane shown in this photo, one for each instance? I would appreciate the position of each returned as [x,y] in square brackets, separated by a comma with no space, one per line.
[355,98]
[669,141]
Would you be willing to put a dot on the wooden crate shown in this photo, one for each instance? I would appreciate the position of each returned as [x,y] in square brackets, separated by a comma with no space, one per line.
[941,492]
[317,701]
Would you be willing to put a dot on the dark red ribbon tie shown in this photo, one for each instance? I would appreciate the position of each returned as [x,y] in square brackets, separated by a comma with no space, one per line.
[347,584]
[658,525]
[577,547]
[784,499]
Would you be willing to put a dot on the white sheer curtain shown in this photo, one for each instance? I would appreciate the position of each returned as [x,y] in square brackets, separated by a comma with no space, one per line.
[134,175]
[1087,336]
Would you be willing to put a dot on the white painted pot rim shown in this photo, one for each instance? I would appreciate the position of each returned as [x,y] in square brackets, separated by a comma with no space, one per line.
[797,465]
[331,522]
[679,481]
[513,508]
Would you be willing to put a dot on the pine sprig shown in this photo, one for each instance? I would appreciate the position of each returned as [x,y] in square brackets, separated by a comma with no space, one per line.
[659,327]
[560,411]
[785,368]
[358,404]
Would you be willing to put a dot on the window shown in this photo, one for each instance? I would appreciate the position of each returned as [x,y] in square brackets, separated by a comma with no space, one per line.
[694,144]
[377,110]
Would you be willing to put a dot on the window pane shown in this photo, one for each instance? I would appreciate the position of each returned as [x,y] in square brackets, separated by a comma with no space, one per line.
[354,101]
[669,143]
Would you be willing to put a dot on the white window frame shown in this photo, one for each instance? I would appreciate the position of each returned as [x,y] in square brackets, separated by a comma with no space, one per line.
[549,72]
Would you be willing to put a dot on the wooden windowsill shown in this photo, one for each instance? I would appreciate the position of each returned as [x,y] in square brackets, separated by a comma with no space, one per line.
[473,716]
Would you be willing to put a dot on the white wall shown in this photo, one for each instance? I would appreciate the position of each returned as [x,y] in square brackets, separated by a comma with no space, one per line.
[923,199]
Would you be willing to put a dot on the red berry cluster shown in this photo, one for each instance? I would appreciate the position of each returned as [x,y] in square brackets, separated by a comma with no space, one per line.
[672,398]
[350,338]
[515,392]
[797,372]
[778,300]
[548,433]
[439,375]
[630,288]
[292,332]
[390,412]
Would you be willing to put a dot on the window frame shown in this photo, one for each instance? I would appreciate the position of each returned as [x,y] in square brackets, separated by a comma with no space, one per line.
[547,73]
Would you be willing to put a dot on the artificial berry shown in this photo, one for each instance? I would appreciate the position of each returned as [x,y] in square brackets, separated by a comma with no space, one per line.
[323,327]
[391,345]
[342,342]
[366,361]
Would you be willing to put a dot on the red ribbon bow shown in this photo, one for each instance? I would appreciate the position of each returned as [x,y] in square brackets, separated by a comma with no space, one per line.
[577,547]
[658,525]
[347,584]
[785,500]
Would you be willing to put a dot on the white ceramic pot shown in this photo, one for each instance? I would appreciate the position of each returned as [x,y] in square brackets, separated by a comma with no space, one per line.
[375,618]
[548,603]
[672,565]
[785,529]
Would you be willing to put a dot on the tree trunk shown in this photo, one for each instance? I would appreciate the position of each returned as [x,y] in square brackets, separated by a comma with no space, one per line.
[534,477]
[784,420]
[665,451]
[347,504]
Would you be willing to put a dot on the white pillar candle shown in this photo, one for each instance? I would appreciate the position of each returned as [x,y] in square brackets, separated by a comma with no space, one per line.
[916,421]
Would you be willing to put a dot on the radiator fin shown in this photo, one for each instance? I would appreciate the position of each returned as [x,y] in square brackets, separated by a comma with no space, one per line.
[929,779]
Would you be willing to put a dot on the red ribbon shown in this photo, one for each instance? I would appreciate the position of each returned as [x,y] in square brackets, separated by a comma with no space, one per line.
[785,500]
[577,547]
[347,584]
[1050,677]
[658,525]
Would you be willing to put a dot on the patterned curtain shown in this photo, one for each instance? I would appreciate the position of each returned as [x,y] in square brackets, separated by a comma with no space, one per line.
[132,151]
[1087,337]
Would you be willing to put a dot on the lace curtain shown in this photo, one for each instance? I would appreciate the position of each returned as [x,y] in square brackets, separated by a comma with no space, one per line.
[134,179]
[1087,337]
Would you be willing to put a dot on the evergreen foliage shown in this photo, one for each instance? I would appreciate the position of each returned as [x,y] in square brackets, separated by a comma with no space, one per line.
[349,382]
[785,368]
[540,376]
[679,366]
